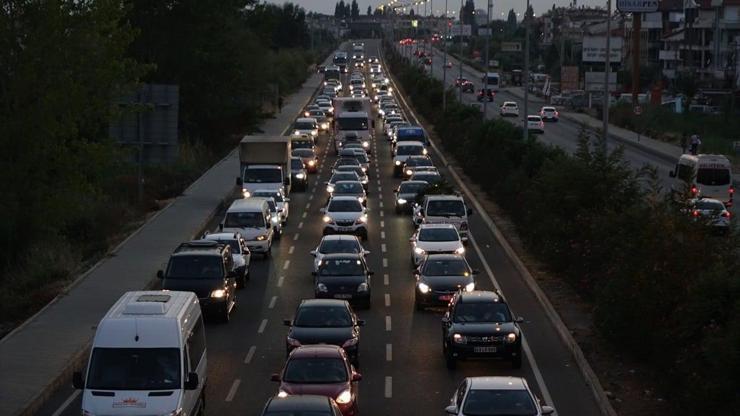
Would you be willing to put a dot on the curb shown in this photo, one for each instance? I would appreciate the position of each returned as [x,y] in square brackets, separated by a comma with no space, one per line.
[586,371]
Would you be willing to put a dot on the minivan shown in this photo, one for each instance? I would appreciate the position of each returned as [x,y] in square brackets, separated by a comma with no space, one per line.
[710,176]
[251,217]
[148,355]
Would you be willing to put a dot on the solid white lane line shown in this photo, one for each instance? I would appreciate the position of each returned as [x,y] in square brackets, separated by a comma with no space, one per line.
[300,225]
[66,403]
[295,237]
[388,352]
[232,390]
[272,302]
[291,249]
[286,264]
[261,329]
[383,248]
[387,300]
[385,262]
[280,281]
[388,324]
[250,354]
[388,387]
[304,215]
[525,345]
[382,235]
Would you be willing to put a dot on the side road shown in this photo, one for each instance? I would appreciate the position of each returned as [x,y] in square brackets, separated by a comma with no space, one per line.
[41,354]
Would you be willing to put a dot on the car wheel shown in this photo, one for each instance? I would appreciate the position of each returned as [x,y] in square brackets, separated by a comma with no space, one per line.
[450,361]
[226,315]
[417,305]
[516,362]
[242,281]
[278,235]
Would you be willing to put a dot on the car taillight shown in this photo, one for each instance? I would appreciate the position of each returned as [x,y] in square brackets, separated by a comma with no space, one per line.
[726,214]
[694,190]
[732,190]
[695,213]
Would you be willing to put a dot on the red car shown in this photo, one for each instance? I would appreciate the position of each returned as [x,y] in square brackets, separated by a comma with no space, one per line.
[321,370]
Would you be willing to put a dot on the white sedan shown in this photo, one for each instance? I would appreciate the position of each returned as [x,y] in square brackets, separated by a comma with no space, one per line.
[435,239]
[535,124]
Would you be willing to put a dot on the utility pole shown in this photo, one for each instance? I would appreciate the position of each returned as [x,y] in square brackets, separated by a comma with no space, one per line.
[485,65]
[526,73]
[607,63]
[461,49]
[636,29]
[429,36]
[444,65]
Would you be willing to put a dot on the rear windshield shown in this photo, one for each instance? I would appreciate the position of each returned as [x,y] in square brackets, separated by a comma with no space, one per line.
[244,220]
[134,369]
[195,267]
[713,177]
[709,205]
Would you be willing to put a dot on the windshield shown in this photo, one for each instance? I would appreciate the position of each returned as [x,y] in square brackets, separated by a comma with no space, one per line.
[426,177]
[302,144]
[413,135]
[481,312]
[323,316]
[341,267]
[445,268]
[352,123]
[356,169]
[344,176]
[317,114]
[409,150]
[499,403]
[296,164]
[713,177]
[347,161]
[438,234]
[411,188]
[315,371]
[454,208]
[260,175]
[303,152]
[134,369]
[305,125]
[348,188]
[339,246]
[244,220]
[195,267]
[345,205]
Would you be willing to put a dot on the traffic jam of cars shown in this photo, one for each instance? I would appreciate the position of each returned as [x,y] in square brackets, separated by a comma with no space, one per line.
[150,349]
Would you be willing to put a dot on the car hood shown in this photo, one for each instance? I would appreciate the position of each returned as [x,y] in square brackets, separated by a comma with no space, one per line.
[330,390]
[201,287]
[247,233]
[131,402]
[439,246]
[482,328]
[447,282]
[335,336]
[344,216]
[408,197]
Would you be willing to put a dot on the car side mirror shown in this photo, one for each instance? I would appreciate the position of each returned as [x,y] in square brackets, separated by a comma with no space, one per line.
[470,211]
[451,409]
[312,252]
[356,377]
[412,239]
[322,210]
[220,227]
[547,410]
[160,274]
[360,322]
[519,319]
[239,181]
[275,377]
[370,273]
[192,382]
[286,199]
[77,381]
[313,273]
[287,322]
[476,271]
[672,174]
[366,252]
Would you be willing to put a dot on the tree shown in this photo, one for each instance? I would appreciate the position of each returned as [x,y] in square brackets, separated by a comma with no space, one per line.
[340,13]
[355,10]
[347,11]
[369,10]
[468,14]
[511,20]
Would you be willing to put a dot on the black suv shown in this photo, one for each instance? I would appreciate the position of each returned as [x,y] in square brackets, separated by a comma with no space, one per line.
[479,324]
[486,94]
[207,269]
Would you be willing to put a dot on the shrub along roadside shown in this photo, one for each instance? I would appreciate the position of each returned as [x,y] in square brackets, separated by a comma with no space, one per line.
[664,288]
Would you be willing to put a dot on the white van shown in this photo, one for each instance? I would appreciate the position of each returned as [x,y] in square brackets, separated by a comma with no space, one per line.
[251,217]
[148,357]
[710,176]
[492,81]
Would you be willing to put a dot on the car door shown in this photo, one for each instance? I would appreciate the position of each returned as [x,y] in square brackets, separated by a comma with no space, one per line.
[459,398]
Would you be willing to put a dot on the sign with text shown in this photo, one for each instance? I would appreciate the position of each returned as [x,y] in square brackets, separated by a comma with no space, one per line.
[594,81]
[637,6]
[594,49]
[466,30]
[484,31]
[511,46]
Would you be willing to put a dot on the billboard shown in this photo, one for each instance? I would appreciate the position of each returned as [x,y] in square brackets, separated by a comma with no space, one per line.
[594,49]
[637,6]
[455,30]
[594,81]
[511,46]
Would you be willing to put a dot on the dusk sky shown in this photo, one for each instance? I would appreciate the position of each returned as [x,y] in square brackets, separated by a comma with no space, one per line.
[499,6]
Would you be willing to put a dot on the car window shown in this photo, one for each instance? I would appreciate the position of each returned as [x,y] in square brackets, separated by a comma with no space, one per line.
[195,267]
[134,369]
[438,234]
[446,208]
[315,371]
[499,402]
[445,268]
[348,188]
[339,246]
[481,312]
[409,150]
[343,176]
[322,317]
[709,205]
[244,219]
[713,177]
[411,188]
[341,267]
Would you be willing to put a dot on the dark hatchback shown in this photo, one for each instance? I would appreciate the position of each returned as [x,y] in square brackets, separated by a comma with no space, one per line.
[406,195]
[345,277]
[439,277]
[325,321]
[412,162]
[479,324]
[301,405]
[207,269]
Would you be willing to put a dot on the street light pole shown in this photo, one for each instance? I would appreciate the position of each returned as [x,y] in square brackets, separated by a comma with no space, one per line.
[526,73]
[485,65]
[444,65]
[460,17]
[605,109]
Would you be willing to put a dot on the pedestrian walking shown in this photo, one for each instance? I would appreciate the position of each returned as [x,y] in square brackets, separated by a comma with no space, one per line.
[280,104]
[695,143]
[684,142]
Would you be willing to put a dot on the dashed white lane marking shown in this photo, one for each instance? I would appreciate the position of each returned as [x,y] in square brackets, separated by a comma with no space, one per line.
[232,390]
[388,387]
[380,197]
[263,324]
[310,197]
[308,206]
[387,323]
[380,204]
[378,182]
[272,302]
[383,248]
[385,262]
[250,354]
[286,264]
[66,403]
[388,352]
[382,214]
[280,281]
[387,300]
[304,215]
[291,249]
[300,225]
[386,279]
[382,235]
[295,237]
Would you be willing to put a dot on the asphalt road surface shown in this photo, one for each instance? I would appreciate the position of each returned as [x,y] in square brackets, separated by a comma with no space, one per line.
[403,369]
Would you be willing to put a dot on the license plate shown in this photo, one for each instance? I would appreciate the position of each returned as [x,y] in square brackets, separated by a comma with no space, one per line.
[343,296]
[344,228]
[484,349]
[445,298]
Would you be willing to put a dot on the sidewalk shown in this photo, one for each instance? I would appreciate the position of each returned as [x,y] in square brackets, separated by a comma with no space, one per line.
[42,353]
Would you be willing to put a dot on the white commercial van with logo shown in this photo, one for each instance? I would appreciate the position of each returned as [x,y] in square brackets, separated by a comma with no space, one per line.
[148,357]
[710,176]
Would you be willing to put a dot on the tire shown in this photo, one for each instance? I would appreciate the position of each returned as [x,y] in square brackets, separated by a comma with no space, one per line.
[279,235]
[516,362]
[225,315]
[450,361]
[242,281]
[417,305]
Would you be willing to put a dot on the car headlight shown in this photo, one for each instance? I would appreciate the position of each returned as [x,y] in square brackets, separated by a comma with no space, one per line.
[409,172]
[300,175]
[511,338]
[275,219]
[282,393]
[364,181]
[364,169]
[365,144]
[218,293]
[362,219]
[325,126]
[459,339]
[321,287]
[330,188]
[361,199]
[246,193]
[424,151]
[306,114]
[350,342]
[470,287]
[460,250]
[402,201]
[296,133]
[327,219]
[362,287]
[397,163]
[424,288]
[344,397]
[418,250]
[314,133]
[311,163]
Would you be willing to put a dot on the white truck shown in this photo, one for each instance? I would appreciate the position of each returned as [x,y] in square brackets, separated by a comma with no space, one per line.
[264,163]
[353,121]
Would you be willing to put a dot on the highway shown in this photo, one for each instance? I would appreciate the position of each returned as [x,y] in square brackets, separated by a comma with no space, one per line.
[402,365]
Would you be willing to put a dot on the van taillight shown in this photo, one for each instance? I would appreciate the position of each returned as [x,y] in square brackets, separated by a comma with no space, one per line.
[726,214]
[695,213]
[694,190]
[732,190]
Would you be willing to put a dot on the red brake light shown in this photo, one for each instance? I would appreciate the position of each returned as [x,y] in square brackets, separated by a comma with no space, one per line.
[726,214]
[732,190]
[695,212]
[694,190]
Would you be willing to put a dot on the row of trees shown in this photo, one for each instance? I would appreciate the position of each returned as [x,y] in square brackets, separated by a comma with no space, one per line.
[664,288]
[67,188]
[349,10]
